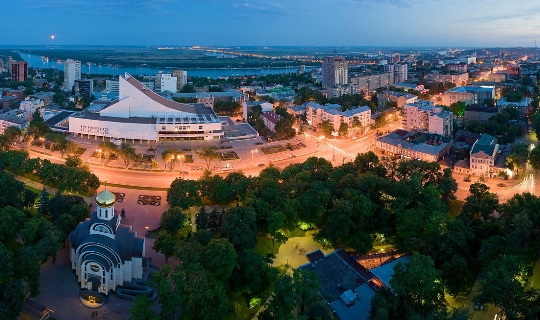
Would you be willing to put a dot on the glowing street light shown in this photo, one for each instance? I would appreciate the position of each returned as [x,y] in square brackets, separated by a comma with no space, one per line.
[252,152]
[99,152]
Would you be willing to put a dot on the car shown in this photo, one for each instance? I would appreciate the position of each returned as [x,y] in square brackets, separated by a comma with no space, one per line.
[261,164]
[501,185]
[467,179]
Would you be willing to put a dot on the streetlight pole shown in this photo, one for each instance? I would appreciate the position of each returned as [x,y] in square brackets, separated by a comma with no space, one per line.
[99,152]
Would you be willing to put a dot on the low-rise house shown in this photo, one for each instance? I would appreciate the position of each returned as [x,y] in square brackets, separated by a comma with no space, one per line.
[316,114]
[483,154]
[15,118]
[29,106]
[400,98]
[270,119]
[523,106]
[469,94]
[421,146]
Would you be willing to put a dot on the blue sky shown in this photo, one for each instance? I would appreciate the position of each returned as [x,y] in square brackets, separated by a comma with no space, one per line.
[445,23]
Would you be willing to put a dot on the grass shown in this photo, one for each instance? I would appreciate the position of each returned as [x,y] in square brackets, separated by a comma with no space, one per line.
[132,187]
[273,149]
[55,136]
[297,232]
[231,155]
[455,207]
[264,245]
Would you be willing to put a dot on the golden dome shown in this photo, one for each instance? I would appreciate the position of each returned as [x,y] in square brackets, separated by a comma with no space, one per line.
[105,199]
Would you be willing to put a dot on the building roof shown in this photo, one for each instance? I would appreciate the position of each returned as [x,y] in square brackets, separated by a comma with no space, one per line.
[486,144]
[271,116]
[464,89]
[524,103]
[385,272]
[96,116]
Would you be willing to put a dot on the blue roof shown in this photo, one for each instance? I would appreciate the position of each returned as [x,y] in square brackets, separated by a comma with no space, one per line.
[385,272]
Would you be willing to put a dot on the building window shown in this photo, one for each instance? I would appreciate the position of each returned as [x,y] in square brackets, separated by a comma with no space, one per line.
[200,127]
[162,127]
[94,267]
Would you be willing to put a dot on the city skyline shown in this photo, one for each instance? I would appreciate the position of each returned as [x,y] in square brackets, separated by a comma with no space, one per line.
[463,23]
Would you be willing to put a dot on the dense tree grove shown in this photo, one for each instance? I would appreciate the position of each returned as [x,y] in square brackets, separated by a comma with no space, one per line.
[407,202]
[64,177]
[28,239]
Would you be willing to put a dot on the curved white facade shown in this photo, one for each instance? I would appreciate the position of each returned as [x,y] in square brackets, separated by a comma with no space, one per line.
[141,114]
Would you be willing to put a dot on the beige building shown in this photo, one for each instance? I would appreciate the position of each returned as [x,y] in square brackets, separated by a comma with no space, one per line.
[483,154]
[335,70]
[400,98]
[424,116]
[372,82]
[270,119]
[457,79]
[316,114]
[469,94]
[414,145]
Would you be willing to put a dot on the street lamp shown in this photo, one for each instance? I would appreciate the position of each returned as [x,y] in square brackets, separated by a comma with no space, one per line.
[252,152]
[181,158]
[99,152]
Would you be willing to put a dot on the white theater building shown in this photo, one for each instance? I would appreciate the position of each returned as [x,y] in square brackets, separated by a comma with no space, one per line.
[104,253]
[140,114]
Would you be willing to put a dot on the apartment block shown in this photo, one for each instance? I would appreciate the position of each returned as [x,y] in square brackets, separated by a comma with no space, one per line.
[372,82]
[335,71]
[469,94]
[18,70]
[316,114]
[424,116]
[270,119]
[181,79]
[457,79]
[400,98]
[72,72]
[165,82]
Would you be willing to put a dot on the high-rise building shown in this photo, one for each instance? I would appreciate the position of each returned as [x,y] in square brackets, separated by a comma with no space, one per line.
[398,72]
[18,70]
[165,82]
[84,87]
[1,65]
[72,72]
[335,71]
[181,79]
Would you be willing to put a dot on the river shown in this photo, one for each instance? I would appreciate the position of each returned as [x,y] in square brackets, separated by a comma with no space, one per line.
[37,62]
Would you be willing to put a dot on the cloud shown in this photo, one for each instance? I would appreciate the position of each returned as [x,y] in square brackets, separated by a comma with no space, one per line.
[272,8]
[117,8]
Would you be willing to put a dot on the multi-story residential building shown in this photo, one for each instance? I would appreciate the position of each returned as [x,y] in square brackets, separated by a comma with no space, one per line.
[72,72]
[483,154]
[415,145]
[181,79]
[423,116]
[457,67]
[270,119]
[339,90]
[1,65]
[112,86]
[400,98]
[469,94]
[15,118]
[523,106]
[513,70]
[47,97]
[18,70]
[457,79]
[316,114]
[335,71]
[372,82]
[84,87]
[165,82]
[29,106]
[398,72]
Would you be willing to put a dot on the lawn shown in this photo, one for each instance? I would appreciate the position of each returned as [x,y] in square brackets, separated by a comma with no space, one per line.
[264,245]
[231,155]
[455,207]
[273,149]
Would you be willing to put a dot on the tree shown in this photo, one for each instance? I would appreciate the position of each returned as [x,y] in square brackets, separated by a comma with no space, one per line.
[188,88]
[141,309]
[343,129]
[173,220]
[183,194]
[43,203]
[448,186]
[418,284]
[534,157]
[481,203]
[12,221]
[28,269]
[165,244]
[169,156]
[11,134]
[127,153]
[209,155]
[327,128]
[505,286]
[294,292]
[240,228]
[74,161]
[201,219]
[519,154]
[168,291]
[219,258]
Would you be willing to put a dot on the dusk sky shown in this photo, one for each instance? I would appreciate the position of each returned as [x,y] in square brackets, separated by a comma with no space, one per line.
[470,23]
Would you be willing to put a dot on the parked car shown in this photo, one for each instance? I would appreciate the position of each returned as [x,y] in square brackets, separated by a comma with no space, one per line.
[467,179]
[261,165]
[501,185]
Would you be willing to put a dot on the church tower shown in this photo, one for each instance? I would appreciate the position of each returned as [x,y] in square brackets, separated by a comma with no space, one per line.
[105,205]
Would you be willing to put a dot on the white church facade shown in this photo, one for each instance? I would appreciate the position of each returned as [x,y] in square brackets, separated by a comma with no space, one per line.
[104,252]
[142,115]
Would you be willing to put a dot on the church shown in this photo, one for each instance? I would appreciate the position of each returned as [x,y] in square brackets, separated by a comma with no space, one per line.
[104,253]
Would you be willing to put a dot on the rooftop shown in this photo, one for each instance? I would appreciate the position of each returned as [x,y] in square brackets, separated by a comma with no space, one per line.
[386,271]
